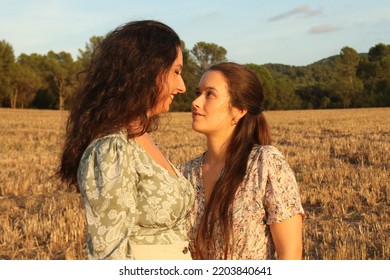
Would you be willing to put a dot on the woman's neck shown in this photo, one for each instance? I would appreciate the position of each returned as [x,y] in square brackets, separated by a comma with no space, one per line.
[216,150]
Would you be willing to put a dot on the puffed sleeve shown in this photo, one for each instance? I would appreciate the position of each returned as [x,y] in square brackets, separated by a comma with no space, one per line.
[108,184]
[282,199]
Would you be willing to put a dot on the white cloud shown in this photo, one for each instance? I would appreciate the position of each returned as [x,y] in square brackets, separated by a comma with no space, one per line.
[301,10]
[324,28]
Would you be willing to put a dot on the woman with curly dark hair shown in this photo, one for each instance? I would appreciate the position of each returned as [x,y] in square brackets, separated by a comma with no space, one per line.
[136,201]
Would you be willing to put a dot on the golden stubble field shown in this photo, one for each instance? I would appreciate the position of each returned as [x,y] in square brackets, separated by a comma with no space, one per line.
[341,160]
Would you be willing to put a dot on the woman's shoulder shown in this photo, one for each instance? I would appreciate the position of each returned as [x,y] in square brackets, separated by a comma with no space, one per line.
[111,143]
[266,151]
[109,153]
[270,159]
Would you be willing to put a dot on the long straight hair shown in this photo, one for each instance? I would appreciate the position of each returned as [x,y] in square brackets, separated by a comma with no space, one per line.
[245,92]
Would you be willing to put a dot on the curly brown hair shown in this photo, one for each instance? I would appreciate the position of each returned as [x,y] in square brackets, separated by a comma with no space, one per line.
[119,87]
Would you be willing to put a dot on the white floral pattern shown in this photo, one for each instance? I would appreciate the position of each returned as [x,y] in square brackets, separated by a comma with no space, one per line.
[130,199]
[269,194]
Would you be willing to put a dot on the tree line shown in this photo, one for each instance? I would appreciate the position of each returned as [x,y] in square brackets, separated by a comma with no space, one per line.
[347,80]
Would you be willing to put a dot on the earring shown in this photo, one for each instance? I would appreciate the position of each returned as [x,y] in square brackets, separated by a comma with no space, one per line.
[234,122]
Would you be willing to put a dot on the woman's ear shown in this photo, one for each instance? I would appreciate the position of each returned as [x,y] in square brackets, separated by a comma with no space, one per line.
[238,114]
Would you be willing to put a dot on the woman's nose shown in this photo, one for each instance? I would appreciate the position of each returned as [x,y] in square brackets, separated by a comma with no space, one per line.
[182,86]
[195,103]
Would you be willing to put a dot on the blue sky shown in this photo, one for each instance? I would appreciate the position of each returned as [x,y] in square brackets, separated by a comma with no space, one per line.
[291,32]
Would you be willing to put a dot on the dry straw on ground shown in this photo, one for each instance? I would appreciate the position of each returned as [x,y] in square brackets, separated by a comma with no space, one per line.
[340,157]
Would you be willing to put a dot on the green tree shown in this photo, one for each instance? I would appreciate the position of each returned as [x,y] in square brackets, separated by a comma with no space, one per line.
[25,83]
[7,60]
[347,85]
[62,75]
[379,58]
[285,96]
[267,83]
[57,73]
[38,64]
[375,72]
[365,72]
[207,54]
[349,59]
[84,56]
[315,97]
[286,79]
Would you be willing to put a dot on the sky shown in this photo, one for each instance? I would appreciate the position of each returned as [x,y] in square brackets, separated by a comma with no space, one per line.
[290,32]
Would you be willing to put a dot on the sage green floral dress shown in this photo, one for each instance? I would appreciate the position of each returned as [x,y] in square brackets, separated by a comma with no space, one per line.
[130,199]
[269,194]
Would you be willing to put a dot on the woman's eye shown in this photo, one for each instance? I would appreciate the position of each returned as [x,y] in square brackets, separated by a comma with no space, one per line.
[197,93]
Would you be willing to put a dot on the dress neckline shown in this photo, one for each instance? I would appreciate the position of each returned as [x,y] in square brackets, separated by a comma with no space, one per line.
[176,175]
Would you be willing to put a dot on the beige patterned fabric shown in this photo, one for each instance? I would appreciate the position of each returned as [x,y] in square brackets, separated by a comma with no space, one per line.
[130,199]
[269,194]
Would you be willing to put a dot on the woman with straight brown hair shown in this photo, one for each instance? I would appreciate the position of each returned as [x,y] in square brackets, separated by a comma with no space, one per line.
[247,203]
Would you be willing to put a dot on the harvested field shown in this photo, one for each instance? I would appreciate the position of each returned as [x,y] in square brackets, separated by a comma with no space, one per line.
[341,160]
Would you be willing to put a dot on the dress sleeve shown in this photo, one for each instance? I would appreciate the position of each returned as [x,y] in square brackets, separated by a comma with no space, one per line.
[107,180]
[282,199]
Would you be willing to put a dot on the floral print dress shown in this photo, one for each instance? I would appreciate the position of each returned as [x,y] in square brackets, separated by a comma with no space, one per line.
[268,194]
[130,199]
